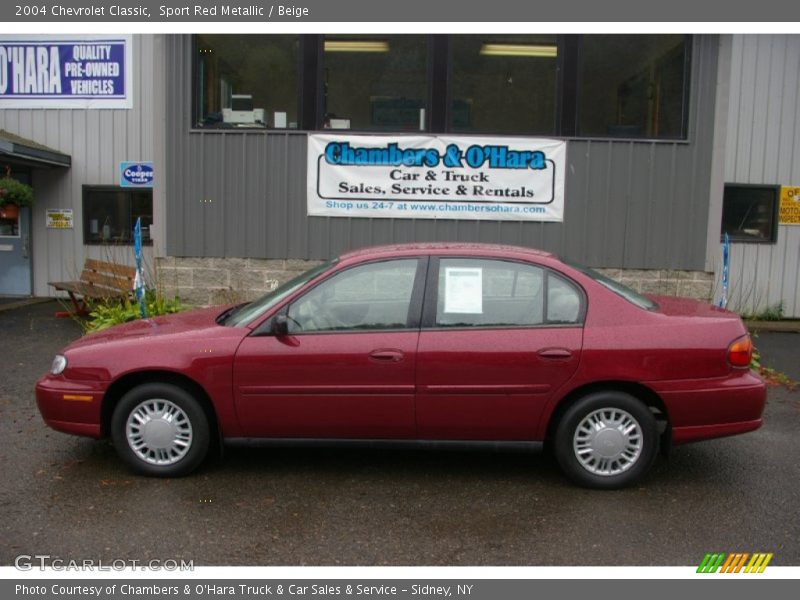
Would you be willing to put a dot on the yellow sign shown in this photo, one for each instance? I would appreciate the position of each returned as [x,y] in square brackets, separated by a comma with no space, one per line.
[60,218]
[790,206]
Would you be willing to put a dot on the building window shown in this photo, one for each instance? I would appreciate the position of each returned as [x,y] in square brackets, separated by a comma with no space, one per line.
[9,224]
[750,212]
[632,86]
[504,84]
[110,213]
[585,86]
[246,81]
[375,83]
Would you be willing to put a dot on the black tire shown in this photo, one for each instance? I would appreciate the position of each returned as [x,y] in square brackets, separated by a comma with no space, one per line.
[174,440]
[617,436]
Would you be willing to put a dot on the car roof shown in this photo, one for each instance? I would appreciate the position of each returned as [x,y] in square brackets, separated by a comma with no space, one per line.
[471,248]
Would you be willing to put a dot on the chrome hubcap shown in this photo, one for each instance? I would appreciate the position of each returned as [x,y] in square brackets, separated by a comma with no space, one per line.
[159,432]
[608,441]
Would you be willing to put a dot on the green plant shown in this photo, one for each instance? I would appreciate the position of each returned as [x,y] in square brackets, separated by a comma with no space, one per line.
[773,312]
[15,192]
[108,313]
[770,375]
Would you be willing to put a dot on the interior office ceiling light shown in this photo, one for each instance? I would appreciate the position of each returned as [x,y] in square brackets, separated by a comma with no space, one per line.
[537,50]
[356,46]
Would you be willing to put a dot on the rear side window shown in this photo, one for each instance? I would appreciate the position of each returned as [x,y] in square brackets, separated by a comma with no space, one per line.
[618,288]
[497,293]
[563,301]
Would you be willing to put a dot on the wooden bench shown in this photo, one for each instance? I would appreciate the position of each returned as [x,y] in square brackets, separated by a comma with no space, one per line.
[99,280]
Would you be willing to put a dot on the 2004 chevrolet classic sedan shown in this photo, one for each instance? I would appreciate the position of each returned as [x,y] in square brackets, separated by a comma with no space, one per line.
[424,345]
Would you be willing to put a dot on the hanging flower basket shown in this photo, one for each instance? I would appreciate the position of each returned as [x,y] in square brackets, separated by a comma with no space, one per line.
[9,211]
[13,195]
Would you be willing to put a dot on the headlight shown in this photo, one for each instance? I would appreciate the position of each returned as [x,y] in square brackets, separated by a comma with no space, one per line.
[59,364]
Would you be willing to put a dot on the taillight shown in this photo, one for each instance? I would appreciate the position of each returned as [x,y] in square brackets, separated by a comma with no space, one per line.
[740,352]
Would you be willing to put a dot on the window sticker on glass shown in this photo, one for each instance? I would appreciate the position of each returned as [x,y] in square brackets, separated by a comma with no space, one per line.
[463,291]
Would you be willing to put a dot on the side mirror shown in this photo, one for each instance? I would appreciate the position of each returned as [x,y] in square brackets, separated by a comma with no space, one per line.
[280,325]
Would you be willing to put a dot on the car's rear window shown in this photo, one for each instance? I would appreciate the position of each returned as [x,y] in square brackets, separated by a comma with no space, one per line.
[615,286]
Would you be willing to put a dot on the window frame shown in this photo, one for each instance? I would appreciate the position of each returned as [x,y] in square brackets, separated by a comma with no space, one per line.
[430,79]
[775,214]
[301,91]
[310,75]
[560,81]
[573,72]
[88,188]
[432,296]
[413,318]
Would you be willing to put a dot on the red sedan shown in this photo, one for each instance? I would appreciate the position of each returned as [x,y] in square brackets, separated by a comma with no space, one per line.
[426,345]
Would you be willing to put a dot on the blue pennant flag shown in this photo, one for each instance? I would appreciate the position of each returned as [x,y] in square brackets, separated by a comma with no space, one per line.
[138,282]
[726,261]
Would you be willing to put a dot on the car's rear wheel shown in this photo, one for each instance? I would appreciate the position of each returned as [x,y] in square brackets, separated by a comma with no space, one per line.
[159,429]
[607,439]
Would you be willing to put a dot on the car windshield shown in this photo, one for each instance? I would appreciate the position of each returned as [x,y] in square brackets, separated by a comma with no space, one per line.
[244,314]
[618,288]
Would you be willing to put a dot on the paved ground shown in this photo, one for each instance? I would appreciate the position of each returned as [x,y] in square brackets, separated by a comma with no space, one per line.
[73,499]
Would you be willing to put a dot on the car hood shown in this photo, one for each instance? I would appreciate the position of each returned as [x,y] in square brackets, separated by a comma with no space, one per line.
[688,307]
[180,323]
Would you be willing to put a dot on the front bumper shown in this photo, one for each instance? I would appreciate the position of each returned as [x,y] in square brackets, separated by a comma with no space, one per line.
[70,406]
[704,409]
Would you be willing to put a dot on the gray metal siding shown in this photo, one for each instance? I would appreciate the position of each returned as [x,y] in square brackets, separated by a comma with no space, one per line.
[633,204]
[763,146]
[97,140]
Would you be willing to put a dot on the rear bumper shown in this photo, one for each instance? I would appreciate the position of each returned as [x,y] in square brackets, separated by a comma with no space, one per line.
[682,435]
[69,406]
[710,408]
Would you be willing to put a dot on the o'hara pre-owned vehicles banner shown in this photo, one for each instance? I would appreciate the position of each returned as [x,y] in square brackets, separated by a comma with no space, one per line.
[65,71]
[436,177]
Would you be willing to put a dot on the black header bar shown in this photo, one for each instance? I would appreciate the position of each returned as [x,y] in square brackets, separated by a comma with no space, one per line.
[402,11]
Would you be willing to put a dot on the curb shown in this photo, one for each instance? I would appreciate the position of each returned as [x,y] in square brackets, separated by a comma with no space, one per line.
[785,326]
[23,302]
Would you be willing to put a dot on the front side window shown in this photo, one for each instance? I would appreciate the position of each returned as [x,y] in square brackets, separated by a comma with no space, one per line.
[247,313]
[110,213]
[632,86]
[749,212]
[375,83]
[497,293]
[375,296]
[246,81]
[504,84]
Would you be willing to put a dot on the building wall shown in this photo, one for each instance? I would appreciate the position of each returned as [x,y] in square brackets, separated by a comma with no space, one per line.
[629,204]
[763,147]
[97,140]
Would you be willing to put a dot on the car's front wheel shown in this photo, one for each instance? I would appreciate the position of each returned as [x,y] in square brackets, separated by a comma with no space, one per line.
[607,439]
[159,429]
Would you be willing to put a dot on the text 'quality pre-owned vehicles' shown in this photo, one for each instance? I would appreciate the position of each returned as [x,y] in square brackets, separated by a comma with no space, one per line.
[422,344]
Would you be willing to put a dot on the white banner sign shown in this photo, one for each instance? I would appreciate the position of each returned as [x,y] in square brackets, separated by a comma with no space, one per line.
[436,177]
[66,71]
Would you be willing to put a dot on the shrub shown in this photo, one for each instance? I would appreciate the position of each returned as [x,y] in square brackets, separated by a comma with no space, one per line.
[112,312]
[773,312]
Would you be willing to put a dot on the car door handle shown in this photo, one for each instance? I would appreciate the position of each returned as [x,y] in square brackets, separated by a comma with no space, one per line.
[555,353]
[386,355]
